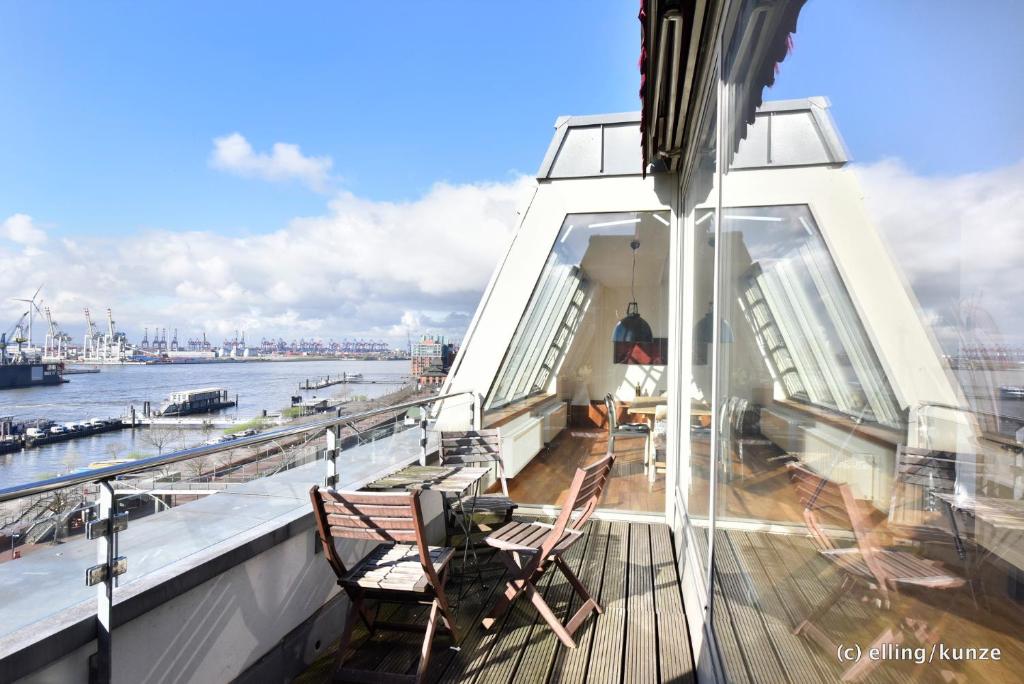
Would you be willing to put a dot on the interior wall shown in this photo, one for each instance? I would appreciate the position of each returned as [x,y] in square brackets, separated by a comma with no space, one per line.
[592,347]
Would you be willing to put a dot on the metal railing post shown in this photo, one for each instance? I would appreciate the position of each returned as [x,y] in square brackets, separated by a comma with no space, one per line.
[423,439]
[333,440]
[104,574]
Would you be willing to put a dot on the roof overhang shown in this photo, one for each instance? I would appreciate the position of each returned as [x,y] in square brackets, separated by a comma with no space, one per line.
[678,38]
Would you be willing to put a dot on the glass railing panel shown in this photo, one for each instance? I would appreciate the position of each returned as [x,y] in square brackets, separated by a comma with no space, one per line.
[44,556]
[187,509]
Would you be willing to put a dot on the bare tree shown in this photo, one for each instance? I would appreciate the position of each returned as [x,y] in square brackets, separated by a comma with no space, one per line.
[198,466]
[161,437]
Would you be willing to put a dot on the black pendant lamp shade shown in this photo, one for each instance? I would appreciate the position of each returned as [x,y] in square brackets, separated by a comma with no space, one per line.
[633,328]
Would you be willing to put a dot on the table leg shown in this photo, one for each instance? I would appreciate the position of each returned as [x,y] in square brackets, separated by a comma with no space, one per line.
[960,550]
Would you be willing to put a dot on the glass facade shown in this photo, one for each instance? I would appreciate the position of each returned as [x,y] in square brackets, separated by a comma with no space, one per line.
[856,496]
[562,354]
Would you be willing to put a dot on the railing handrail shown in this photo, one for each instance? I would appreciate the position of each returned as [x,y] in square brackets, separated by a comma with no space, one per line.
[110,472]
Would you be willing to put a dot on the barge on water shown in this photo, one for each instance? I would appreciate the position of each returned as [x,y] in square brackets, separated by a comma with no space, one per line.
[20,370]
[188,402]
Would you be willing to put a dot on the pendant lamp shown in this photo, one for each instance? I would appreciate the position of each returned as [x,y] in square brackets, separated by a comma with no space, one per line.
[632,328]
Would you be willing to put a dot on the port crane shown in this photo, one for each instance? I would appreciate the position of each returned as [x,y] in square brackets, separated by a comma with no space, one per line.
[92,335]
[58,342]
[16,335]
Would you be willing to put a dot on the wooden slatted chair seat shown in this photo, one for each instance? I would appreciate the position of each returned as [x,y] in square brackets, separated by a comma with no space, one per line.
[529,549]
[526,538]
[899,567]
[397,567]
[401,569]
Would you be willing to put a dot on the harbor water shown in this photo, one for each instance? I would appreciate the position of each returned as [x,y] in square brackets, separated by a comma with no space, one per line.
[260,385]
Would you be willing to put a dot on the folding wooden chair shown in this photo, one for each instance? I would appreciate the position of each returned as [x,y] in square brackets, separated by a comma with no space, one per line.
[403,569]
[474,448]
[871,573]
[530,548]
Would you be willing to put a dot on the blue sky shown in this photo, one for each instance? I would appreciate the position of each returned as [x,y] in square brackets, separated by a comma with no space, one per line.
[933,82]
[339,170]
[111,107]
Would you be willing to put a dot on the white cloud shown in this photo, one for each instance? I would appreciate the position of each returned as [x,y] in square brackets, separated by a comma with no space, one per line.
[363,269]
[234,154]
[960,242]
[21,229]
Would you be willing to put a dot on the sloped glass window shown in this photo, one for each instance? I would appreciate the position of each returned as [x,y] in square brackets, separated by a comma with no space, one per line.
[804,322]
[585,285]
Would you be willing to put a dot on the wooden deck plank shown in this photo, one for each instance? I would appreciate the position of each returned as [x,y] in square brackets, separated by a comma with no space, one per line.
[742,610]
[629,568]
[609,633]
[570,666]
[641,649]
[475,606]
[728,644]
[800,664]
[675,657]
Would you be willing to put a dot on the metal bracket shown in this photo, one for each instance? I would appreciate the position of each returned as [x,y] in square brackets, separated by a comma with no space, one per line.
[330,481]
[97,574]
[104,526]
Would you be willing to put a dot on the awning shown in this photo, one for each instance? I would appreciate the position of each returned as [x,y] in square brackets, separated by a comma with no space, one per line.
[675,51]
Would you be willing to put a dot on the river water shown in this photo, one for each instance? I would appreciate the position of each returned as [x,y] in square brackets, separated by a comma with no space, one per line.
[260,385]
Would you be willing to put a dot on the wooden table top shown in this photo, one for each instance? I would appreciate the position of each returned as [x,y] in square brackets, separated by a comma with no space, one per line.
[646,406]
[1006,513]
[644,402]
[447,479]
[999,524]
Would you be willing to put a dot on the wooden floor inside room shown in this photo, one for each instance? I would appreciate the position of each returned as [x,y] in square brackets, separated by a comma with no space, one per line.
[546,480]
[640,637]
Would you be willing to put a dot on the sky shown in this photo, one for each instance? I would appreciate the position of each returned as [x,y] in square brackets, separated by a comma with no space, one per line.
[176,161]
[927,98]
[336,170]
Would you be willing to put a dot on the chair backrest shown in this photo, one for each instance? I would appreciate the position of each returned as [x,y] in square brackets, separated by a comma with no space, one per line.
[613,412]
[467,446]
[828,503]
[383,517]
[920,473]
[584,494]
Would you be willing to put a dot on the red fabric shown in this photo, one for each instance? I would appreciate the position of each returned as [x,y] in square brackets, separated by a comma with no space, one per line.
[642,16]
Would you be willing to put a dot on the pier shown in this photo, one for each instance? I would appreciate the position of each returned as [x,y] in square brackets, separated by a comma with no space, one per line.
[345,379]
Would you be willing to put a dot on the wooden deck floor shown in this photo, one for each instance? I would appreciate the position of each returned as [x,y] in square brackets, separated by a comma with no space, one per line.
[641,637]
[767,583]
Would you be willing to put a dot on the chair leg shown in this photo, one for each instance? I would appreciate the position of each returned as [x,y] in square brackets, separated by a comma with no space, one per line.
[513,587]
[354,609]
[446,611]
[428,641]
[590,604]
[652,466]
[549,616]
